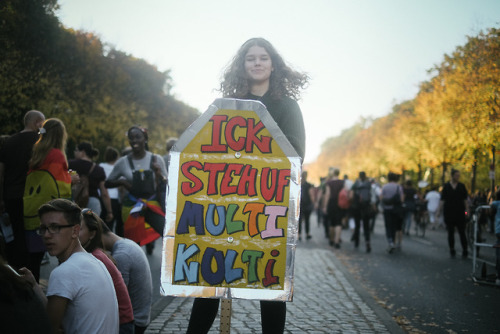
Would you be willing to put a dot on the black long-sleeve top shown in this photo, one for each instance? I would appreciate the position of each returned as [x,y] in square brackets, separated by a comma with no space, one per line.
[287,114]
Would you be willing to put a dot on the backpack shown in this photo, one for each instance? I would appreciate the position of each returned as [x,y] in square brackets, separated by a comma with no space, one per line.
[363,192]
[80,190]
[343,200]
[41,186]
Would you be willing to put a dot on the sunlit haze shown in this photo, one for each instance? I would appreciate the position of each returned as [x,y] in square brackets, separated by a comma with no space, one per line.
[362,56]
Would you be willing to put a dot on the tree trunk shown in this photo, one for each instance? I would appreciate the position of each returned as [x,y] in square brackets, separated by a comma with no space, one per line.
[443,174]
[474,172]
[492,169]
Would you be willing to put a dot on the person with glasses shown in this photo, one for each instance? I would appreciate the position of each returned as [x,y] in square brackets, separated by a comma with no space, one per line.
[80,282]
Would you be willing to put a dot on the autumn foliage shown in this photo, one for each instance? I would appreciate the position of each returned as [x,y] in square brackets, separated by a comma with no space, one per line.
[452,122]
[96,90]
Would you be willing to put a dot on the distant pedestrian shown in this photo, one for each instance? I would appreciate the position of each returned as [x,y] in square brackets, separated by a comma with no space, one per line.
[306,205]
[392,198]
[410,206]
[454,206]
[495,205]
[432,198]
[331,207]
[362,209]
[376,191]
[14,164]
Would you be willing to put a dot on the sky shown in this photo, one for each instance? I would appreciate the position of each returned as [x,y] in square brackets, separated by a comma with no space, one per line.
[362,56]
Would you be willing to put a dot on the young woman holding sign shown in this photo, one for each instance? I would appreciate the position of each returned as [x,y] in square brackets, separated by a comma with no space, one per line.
[258,72]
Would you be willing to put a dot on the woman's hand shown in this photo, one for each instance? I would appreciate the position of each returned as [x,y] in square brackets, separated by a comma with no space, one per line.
[75,178]
[109,217]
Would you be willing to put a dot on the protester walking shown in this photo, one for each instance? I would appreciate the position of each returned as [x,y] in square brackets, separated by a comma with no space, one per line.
[453,206]
[392,198]
[331,206]
[410,206]
[362,208]
[306,205]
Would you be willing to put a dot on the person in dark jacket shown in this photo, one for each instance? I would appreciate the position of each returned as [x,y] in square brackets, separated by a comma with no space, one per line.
[258,72]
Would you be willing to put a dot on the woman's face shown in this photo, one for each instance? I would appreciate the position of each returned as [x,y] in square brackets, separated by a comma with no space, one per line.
[137,140]
[78,154]
[85,235]
[258,65]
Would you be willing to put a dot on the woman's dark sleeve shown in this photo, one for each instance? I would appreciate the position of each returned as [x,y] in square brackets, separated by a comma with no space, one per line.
[292,126]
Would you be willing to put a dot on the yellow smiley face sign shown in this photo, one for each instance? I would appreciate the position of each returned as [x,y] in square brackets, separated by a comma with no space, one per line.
[232,207]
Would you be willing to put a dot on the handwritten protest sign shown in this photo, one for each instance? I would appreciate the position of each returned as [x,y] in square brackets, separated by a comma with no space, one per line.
[232,207]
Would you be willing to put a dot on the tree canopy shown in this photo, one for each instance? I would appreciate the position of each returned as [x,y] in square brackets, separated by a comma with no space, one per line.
[96,90]
[452,121]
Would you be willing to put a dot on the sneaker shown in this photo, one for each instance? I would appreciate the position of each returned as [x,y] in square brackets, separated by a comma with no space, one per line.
[308,237]
[453,253]
[337,246]
[465,255]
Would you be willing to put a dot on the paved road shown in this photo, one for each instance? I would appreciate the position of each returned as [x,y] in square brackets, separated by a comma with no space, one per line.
[327,299]
[424,289]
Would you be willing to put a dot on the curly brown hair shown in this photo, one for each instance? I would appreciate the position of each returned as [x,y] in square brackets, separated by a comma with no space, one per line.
[284,81]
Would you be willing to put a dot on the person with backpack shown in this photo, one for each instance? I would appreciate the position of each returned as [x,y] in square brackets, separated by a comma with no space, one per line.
[92,177]
[392,197]
[332,206]
[140,173]
[48,178]
[361,194]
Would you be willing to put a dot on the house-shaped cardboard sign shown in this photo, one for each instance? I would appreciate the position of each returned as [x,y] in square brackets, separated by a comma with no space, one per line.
[232,207]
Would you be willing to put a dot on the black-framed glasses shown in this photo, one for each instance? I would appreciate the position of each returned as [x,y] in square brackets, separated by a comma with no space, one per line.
[52,228]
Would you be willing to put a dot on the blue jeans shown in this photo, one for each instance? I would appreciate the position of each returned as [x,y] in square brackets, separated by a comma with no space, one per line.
[407,221]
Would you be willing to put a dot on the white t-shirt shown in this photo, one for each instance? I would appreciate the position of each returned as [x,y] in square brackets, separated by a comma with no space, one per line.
[85,281]
[433,198]
[134,266]
[113,192]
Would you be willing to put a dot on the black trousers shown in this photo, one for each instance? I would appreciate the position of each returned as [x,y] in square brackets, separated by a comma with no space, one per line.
[272,313]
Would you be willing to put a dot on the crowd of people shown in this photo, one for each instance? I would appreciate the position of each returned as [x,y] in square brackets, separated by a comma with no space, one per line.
[70,208]
[400,203]
[109,291]
[103,281]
